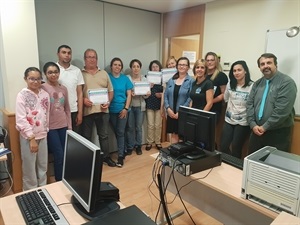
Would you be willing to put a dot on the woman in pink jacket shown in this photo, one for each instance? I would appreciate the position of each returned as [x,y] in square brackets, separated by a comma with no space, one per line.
[32,119]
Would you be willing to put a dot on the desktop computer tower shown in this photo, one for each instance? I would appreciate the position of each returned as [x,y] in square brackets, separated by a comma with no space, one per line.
[186,166]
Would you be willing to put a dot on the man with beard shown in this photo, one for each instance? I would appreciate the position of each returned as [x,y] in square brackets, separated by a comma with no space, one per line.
[270,107]
[71,78]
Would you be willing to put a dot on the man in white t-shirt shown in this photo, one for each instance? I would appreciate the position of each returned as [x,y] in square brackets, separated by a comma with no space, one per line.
[71,78]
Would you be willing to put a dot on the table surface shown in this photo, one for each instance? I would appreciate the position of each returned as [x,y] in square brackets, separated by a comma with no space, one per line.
[286,219]
[59,192]
[224,181]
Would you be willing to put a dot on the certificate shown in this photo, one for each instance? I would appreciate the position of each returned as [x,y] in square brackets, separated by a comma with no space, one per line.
[154,77]
[167,74]
[141,88]
[98,96]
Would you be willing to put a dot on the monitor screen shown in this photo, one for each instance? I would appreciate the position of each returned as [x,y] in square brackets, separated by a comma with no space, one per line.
[197,127]
[82,169]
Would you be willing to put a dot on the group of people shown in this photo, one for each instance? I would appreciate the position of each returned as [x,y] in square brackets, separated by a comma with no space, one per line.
[45,111]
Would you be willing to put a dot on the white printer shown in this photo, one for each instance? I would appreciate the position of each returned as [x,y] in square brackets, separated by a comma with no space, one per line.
[271,178]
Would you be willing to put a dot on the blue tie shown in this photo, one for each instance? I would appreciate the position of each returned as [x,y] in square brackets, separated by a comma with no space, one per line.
[263,101]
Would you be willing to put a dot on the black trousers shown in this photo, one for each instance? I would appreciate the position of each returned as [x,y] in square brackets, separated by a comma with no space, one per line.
[279,138]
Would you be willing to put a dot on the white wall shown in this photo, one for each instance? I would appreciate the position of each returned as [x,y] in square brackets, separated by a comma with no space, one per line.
[236,29]
[18,47]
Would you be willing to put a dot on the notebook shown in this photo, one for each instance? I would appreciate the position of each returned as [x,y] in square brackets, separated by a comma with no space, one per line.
[131,215]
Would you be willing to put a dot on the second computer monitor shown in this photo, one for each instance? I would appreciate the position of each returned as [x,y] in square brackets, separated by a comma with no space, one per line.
[197,127]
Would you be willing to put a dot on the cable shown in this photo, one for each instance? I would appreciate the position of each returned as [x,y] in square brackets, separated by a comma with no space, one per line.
[162,199]
[11,183]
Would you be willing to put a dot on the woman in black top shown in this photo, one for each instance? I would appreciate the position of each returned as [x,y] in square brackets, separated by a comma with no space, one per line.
[153,109]
[203,89]
[219,79]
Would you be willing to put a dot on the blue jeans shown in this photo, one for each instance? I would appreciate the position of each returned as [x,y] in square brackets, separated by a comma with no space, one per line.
[101,120]
[134,128]
[56,145]
[119,126]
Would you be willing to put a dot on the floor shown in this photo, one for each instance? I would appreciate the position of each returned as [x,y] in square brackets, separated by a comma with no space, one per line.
[136,186]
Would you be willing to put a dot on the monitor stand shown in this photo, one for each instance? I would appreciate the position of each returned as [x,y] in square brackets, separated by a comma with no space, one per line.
[102,207]
[197,154]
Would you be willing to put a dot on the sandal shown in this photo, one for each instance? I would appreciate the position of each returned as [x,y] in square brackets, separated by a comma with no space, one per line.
[148,147]
[158,146]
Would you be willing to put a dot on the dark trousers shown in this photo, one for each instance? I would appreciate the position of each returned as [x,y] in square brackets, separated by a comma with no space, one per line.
[101,120]
[56,145]
[75,128]
[279,138]
[234,135]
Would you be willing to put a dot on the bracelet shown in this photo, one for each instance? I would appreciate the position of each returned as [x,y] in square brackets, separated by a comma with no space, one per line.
[126,108]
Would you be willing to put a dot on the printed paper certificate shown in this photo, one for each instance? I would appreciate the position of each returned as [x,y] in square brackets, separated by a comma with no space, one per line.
[167,74]
[98,96]
[141,88]
[154,77]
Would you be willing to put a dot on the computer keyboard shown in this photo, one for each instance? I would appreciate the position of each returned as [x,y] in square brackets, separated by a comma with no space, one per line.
[38,207]
[232,160]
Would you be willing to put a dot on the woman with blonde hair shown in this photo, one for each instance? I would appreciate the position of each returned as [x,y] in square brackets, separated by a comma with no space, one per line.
[202,89]
[219,79]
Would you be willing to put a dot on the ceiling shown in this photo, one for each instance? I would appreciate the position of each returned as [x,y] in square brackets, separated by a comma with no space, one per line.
[160,6]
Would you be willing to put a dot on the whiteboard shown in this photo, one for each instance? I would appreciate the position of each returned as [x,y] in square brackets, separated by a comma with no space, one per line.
[287,51]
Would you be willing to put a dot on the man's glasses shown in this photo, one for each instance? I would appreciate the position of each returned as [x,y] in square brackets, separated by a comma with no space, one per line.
[31,79]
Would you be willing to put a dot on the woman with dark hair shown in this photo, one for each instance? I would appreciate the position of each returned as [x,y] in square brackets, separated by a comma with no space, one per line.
[136,112]
[59,116]
[119,106]
[236,128]
[203,89]
[177,94]
[154,110]
[32,121]
[219,79]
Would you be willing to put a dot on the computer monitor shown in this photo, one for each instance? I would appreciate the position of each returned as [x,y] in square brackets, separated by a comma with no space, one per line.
[197,127]
[82,171]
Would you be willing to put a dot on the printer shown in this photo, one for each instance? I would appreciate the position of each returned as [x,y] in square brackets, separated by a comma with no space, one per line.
[271,178]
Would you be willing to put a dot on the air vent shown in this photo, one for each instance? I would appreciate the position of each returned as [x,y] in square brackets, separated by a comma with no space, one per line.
[275,179]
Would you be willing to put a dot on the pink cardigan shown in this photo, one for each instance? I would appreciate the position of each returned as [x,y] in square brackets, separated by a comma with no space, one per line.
[32,113]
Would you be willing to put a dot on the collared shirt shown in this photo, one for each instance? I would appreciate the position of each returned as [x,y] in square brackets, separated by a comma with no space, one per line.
[279,106]
[71,78]
[95,81]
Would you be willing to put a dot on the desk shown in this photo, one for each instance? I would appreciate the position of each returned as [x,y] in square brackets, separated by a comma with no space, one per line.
[59,192]
[286,219]
[218,195]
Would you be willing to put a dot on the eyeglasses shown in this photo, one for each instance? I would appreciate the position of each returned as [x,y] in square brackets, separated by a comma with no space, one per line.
[52,72]
[31,79]
[182,65]
[210,60]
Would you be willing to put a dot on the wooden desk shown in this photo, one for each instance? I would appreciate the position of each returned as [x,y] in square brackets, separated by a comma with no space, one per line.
[286,219]
[218,195]
[59,192]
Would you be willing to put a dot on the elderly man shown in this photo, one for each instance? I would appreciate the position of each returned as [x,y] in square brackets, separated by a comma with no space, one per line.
[270,107]
[97,83]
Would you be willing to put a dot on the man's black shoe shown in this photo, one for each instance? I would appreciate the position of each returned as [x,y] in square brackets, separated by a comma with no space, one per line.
[120,162]
[108,161]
